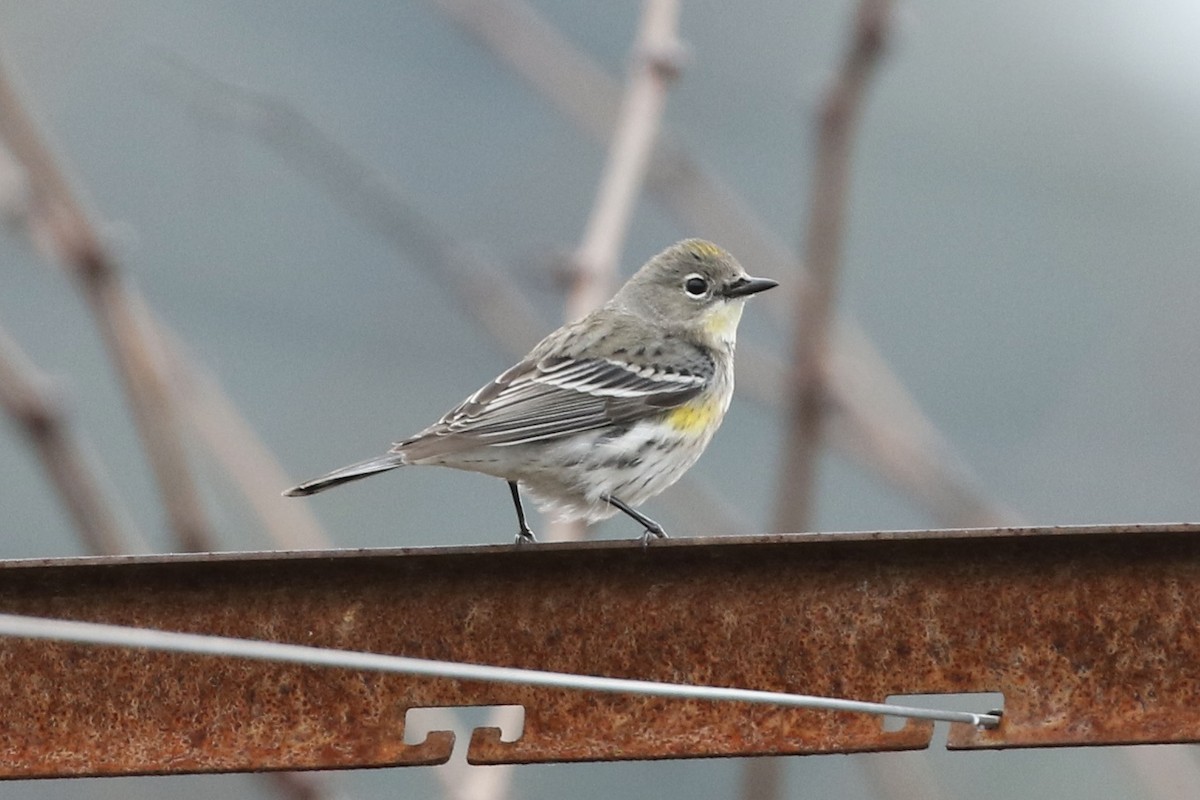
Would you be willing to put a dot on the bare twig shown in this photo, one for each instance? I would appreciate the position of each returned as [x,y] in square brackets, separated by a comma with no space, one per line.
[232,440]
[59,223]
[58,219]
[808,380]
[14,197]
[806,390]
[762,779]
[300,785]
[1164,773]
[589,98]
[902,776]
[25,394]
[492,299]
[656,57]
[872,420]
[245,460]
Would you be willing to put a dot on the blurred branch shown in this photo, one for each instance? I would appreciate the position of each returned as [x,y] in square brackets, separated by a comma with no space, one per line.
[808,382]
[26,396]
[250,466]
[1164,773]
[589,98]
[902,776]
[533,48]
[59,223]
[14,197]
[806,393]
[233,441]
[656,57]
[656,64]
[302,785]
[492,299]
[871,419]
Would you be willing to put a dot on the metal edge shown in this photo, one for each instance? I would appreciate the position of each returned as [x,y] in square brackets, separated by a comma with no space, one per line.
[676,543]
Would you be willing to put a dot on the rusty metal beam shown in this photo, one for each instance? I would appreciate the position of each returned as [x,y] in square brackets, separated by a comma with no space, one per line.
[1090,634]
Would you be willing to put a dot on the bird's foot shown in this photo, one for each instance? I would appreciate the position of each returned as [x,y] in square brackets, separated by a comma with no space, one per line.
[653,531]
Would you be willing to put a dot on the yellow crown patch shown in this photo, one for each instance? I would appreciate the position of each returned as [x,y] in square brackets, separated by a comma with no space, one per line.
[703,248]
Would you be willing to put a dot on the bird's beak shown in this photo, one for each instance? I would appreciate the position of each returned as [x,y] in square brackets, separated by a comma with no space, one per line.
[747,286]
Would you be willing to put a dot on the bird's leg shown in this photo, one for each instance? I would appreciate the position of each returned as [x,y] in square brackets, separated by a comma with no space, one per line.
[653,529]
[524,535]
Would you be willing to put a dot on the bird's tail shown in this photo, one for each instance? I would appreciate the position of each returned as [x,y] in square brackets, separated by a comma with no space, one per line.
[346,474]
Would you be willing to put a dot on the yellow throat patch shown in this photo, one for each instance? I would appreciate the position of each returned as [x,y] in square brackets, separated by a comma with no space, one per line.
[721,321]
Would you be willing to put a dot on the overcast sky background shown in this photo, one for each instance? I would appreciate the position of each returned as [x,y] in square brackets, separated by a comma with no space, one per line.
[1023,248]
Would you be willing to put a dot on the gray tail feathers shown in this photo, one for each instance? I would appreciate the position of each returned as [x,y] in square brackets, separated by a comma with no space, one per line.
[346,474]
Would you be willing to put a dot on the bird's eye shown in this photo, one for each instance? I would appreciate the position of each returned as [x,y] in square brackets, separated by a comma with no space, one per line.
[695,285]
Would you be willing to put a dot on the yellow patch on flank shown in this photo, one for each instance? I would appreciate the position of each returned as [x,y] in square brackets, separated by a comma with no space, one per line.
[695,417]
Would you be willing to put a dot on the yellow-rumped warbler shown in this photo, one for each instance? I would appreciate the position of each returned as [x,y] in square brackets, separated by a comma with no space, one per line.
[605,412]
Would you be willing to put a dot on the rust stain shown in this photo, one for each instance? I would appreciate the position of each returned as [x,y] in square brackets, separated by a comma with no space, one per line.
[1090,634]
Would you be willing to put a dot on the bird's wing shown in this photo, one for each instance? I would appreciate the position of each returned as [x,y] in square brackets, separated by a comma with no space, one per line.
[558,396]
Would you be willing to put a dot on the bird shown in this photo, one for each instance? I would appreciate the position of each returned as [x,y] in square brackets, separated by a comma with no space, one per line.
[607,411]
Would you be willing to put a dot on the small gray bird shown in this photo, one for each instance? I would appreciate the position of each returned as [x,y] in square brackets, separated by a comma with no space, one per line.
[606,412]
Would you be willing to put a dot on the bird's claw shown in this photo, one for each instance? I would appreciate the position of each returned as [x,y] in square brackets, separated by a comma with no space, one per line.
[653,532]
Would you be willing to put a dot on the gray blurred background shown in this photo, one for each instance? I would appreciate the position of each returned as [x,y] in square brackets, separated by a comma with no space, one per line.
[1024,233]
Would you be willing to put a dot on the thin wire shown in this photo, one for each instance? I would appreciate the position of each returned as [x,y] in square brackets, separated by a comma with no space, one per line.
[151,639]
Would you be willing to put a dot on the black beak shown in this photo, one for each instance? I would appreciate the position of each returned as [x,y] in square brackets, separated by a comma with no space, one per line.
[748,286]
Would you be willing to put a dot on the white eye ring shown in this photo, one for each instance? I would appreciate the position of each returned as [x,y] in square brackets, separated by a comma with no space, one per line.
[696,285]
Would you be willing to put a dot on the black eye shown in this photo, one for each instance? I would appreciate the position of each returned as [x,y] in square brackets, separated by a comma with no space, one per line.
[695,285]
